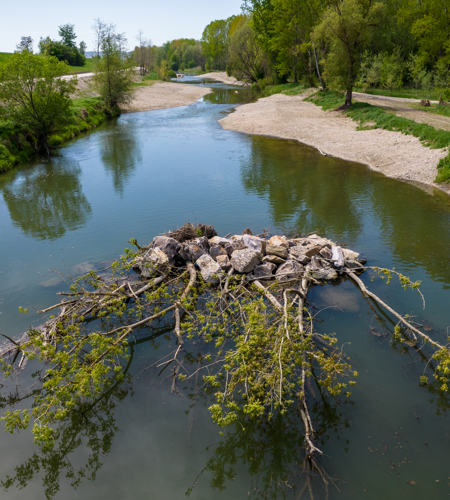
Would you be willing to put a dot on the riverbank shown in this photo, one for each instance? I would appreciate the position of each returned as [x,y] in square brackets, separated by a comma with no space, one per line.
[394,154]
[89,112]
[224,78]
[162,95]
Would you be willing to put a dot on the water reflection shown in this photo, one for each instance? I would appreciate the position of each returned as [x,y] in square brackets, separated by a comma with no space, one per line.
[303,188]
[120,153]
[89,428]
[48,200]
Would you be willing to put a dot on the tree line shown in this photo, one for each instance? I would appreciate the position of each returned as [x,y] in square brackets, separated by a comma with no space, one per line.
[339,44]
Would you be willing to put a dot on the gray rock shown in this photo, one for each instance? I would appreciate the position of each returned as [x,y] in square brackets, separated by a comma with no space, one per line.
[297,253]
[353,264]
[322,274]
[289,270]
[311,250]
[264,270]
[194,249]
[254,243]
[233,246]
[217,240]
[274,259]
[349,254]
[209,269]
[244,261]
[224,262]
[337,256]
[318,263]
[216,251]
[278,250]
[326,252]
[167,245]
[150,261]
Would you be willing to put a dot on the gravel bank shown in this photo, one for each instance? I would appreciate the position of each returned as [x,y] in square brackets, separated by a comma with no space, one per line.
[394,154]
[224,78]
[164,95]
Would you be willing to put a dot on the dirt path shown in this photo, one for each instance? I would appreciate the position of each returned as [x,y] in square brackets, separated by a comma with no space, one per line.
[405,108]
[394,154]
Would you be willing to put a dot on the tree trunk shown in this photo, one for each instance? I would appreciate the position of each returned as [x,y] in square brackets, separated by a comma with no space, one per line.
[348,97]
[295,69]
[318,69]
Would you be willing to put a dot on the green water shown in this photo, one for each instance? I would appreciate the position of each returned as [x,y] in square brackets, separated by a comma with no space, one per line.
[150,172]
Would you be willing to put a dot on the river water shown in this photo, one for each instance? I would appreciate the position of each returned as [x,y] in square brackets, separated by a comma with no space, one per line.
[148,172]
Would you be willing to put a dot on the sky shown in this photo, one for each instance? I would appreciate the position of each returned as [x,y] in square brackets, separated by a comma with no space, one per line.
[161,20]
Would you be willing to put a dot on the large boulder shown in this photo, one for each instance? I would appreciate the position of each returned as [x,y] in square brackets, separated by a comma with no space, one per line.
[326,274]
[234,245]
[244,261]
[254,243]
[349,254]
[194,249]
[167,245]
[217,240]
[298,253]
[216,251]
[224,262]
[279,241]
[151,260]
[274,259]
[291,269]
[209,269]
[312,250]
[337,256]
[278,250]
[264,270]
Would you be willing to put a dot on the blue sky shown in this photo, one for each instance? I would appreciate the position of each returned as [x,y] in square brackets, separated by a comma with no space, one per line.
[161,20]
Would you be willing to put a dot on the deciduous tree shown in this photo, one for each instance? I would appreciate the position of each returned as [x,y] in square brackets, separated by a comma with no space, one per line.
[34,96]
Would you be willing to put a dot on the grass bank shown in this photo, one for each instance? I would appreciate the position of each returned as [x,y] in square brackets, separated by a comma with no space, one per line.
[433,95]
[370,117]
[15,148]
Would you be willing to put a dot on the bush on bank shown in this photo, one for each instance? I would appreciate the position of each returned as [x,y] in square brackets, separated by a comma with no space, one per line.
[15,145]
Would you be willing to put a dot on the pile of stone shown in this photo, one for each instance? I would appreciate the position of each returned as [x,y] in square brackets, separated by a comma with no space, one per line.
[258,258]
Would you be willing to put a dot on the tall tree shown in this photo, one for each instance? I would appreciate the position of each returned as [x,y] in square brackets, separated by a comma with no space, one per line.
[114,73]
[98,28]
[214,41]
[67,34]
[348,25]
[33,96]
[26,43]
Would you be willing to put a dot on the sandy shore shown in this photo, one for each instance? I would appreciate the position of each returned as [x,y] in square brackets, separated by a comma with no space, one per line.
[163,95]
[394,154]
[224,78]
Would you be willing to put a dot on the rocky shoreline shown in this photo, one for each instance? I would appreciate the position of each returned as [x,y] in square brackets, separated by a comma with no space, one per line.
[258,258]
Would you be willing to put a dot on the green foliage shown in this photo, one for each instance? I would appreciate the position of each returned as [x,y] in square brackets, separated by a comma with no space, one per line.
[215,42]
[86,113]
[68,53]
[34,98]
[286,88]
[245,58]
[348,27]
[67,34]
[114,74]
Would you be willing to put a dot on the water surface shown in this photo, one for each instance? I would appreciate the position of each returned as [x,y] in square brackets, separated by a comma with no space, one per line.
[149,172]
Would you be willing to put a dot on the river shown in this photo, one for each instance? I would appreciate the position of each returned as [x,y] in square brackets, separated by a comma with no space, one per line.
[149,172]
